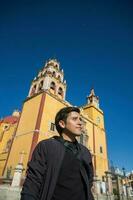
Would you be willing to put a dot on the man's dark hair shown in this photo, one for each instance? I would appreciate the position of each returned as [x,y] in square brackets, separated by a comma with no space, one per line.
[62,115]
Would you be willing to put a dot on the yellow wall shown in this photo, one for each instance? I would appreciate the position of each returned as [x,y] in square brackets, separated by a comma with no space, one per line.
[101,158]
[24,134]
[7,135]
[88,111]
[51,107]
[96,132]
[89,127]
[94,113]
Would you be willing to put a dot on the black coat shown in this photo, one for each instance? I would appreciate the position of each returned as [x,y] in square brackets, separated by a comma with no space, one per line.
[44,167]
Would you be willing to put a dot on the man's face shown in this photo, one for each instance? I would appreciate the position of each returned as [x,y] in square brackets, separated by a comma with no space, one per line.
[73,124]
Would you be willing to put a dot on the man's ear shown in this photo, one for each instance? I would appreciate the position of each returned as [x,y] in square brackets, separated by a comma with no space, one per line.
[62,124]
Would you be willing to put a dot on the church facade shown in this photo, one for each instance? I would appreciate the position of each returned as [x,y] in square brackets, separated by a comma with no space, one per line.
[36,122]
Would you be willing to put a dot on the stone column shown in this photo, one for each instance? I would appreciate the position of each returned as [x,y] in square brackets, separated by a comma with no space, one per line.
[109,187]
[18,171]
[96,185]
[120,187]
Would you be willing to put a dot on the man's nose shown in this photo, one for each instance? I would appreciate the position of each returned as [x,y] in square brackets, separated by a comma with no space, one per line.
[79,122]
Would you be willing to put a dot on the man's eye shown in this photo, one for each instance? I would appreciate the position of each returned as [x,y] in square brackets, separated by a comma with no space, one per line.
[74,118]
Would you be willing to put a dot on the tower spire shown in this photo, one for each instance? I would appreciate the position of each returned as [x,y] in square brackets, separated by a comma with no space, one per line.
[93,99]
[50,78]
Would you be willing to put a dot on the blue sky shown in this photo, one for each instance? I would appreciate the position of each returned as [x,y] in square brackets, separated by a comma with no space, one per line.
[92,40]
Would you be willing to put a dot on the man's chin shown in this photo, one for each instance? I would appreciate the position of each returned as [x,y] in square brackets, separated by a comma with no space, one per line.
[77,134]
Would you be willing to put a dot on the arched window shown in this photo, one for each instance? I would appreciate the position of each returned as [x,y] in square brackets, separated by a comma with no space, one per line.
[40,86]
[52,86]
[33,90]
[44,73]
[54,74]
[59,77]
[60,91]
[101,149]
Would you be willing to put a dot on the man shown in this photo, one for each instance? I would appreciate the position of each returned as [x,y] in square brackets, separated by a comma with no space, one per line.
[60,168]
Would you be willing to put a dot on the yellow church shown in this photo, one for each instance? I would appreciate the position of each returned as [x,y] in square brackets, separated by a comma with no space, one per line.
[36,122]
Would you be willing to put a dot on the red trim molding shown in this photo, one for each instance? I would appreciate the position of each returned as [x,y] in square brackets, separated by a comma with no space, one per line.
[37,127]
[94,149]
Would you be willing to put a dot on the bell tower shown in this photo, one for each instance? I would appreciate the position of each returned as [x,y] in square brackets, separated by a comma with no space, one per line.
[93,99]
[97,134]
[93,110]
[50,78]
